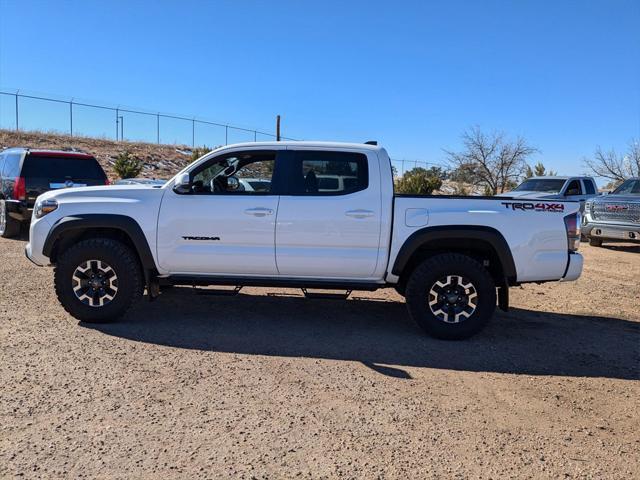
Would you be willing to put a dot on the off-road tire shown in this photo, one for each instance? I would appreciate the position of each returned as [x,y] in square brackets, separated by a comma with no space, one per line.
[115,254]
[595,242]
[9,227]
[441,266]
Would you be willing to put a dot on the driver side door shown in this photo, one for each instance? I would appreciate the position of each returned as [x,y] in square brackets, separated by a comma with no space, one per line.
[223,226]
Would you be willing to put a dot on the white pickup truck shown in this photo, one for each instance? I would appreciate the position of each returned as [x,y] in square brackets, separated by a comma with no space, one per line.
[318,216]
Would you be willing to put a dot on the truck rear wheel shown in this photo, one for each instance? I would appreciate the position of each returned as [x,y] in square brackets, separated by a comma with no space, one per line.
[97,280]
[451,296]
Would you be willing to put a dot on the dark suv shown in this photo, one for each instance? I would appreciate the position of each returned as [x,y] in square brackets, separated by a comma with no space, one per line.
[26,173]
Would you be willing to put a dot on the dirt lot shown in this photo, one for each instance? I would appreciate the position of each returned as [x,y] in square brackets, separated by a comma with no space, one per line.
[271,385]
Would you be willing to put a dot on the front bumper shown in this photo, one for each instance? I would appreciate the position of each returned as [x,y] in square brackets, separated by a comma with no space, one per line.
[574,267]
[608,231]
[38,232]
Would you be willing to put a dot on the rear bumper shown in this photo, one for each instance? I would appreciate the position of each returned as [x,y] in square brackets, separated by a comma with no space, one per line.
[18,210]
[608,231]
[574,267]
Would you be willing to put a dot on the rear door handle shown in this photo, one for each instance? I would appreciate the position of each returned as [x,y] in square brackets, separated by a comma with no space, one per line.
[359,213]
[259,211]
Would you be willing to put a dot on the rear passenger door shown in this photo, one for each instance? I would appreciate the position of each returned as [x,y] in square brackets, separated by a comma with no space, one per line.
[329,219]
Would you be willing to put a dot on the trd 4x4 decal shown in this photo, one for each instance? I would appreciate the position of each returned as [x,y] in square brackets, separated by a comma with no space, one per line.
[537,207]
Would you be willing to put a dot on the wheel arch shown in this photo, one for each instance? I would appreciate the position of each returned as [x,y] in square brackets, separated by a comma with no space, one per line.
[68,230]
[483,243]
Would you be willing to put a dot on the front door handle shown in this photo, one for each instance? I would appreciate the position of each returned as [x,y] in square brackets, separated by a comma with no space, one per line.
[259,211]
[359,213]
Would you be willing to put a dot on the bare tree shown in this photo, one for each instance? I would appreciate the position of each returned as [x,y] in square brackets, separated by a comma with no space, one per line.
[490,160]
[613,166]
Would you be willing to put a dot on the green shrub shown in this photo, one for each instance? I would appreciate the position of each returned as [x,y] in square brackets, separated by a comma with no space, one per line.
[419,181]
[127,165]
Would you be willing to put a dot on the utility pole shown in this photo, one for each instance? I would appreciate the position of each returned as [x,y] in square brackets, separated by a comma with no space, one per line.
[278,128]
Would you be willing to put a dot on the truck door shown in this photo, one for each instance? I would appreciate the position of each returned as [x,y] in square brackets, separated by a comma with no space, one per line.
[329,220]
[226,224]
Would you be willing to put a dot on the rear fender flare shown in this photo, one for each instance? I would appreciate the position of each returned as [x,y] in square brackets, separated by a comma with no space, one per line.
[472,233]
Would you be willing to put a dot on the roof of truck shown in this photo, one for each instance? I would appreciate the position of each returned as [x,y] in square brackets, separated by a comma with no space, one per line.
[306,143]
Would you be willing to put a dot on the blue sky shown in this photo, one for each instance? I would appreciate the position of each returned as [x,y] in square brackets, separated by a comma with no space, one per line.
[412,75]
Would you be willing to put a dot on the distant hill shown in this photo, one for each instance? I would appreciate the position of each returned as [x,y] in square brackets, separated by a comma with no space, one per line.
[160,161]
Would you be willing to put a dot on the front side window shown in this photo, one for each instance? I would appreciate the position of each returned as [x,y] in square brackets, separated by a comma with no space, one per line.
[630,187]
[329,173]
[574,188]
[247,173]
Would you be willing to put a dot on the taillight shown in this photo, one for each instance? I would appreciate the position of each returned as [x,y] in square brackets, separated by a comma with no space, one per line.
[107,182]
[572,225]
[19,189]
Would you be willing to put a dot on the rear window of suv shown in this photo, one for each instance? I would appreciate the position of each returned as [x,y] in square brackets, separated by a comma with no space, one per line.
[61,167]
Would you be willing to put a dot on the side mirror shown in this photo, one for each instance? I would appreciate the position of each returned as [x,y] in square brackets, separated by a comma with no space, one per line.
[182,184]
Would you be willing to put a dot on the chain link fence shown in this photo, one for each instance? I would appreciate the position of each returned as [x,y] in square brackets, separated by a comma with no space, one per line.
[25,111]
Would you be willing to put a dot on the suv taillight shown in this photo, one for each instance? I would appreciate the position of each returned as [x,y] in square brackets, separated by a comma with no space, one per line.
[572,225]
[19,189]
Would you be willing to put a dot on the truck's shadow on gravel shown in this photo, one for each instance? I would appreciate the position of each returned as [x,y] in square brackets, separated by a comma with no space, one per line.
[379,333]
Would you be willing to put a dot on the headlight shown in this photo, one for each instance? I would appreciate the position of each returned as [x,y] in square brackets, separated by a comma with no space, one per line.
[43,207]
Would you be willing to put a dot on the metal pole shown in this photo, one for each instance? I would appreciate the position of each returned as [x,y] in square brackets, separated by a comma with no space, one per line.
[17,129]
[117,123]
[158,128]
[71,117]
[255,136]
[226,134]
[121,127]
[193,133]
[278,128]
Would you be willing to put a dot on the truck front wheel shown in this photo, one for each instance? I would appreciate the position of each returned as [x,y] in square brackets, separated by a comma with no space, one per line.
[451,296]
[97,279]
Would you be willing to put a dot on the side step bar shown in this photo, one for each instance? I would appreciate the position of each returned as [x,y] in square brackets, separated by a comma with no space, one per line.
[273,282]
[326,295]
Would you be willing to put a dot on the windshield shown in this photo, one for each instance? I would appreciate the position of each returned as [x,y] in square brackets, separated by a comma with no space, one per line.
[550,185]
[630,187]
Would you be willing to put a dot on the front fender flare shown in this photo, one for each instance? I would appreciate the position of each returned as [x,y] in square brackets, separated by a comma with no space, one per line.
[77,223]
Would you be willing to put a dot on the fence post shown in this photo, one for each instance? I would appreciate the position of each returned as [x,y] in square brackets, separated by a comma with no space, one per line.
[71,117]
[17,128]
[158,128]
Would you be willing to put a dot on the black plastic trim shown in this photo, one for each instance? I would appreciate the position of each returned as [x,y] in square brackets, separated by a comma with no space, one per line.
[272,282]
[454,232]
[77,223]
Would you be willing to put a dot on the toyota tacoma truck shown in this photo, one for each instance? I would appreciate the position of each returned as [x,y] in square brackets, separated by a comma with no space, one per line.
[325,217]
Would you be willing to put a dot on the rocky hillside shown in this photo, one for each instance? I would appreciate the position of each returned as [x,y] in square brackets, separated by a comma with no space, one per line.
[160,161]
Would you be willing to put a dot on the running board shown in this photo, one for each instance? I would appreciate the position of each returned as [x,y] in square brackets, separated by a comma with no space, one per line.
[277,282]
[326,295]
[221,292]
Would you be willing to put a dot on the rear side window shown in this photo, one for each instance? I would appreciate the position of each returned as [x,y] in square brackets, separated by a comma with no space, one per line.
[328,173]
[11,167]
[52,167]
[589,188]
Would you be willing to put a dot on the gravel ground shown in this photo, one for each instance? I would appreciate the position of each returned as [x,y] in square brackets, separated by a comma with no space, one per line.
[269,384]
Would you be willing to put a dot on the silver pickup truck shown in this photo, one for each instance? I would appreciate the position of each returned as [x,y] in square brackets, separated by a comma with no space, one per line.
[614,217]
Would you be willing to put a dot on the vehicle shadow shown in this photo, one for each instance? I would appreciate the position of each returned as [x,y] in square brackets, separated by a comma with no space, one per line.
[381,335]
[622,247]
